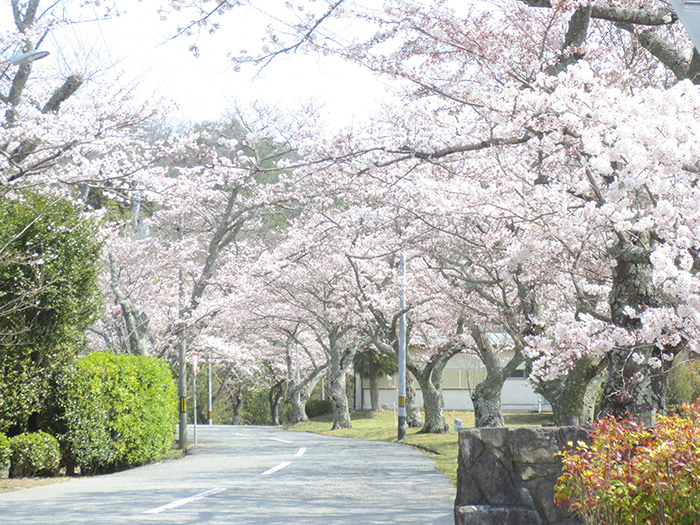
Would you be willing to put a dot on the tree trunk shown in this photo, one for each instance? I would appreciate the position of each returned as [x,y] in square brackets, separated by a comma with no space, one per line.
[414,419]
[573,396]
[486,396]
[633,389]
[486,399]
[339,399]
[237,404]
[274,397]
[298,399]
[374,392]
[433,405]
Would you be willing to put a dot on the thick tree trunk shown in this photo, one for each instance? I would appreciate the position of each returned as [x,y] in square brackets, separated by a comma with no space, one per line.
[298,401]
[634,389]
[433,405]
[339,399]
[486,399]
[573,397]
[486,396]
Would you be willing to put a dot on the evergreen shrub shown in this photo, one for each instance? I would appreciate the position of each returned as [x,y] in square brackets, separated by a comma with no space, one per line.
[318,407]
[256,408]
[34,454]
[118,411]
[5,451]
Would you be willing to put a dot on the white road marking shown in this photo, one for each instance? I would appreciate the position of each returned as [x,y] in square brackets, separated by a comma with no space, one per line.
[275,469]
[239,434]
[184,501]
[281,440]
[300,452]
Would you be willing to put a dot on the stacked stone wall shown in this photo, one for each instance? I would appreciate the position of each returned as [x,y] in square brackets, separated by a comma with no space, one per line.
[506,476]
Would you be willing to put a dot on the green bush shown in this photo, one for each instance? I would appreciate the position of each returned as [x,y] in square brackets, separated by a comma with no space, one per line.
[32,454]
[5,451]
[117,411]
[256,408]
[318,407]
[632,474]
[684,383]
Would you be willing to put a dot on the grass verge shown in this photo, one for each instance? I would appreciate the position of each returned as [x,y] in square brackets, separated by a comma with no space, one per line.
[441,448]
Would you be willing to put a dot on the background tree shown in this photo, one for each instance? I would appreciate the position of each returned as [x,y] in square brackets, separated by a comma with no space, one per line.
[372,365]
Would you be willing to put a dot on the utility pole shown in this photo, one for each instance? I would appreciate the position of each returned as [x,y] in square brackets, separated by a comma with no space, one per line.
[195,371]
[182,352]
[402,352]
[209,400]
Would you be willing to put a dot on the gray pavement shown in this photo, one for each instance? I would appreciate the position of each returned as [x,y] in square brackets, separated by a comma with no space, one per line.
[253,475]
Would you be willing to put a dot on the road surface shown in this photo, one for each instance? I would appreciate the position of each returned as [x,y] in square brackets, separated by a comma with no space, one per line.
[253,476]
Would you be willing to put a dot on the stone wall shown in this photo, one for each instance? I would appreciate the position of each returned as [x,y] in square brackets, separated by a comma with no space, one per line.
[506,476]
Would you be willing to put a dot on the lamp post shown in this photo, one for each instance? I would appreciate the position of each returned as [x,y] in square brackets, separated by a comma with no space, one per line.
[25,58]
[22,59]
[689,13]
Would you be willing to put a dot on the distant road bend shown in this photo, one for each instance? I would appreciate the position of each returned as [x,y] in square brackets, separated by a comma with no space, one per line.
[253,476]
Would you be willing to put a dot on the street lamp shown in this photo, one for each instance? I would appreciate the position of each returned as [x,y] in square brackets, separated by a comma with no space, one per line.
[22,59]
[25,58]
[689,13]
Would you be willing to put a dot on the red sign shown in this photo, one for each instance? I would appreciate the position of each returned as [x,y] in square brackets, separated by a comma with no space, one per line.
[195,362]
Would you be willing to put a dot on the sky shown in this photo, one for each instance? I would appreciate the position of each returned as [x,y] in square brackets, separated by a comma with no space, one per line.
[204,87]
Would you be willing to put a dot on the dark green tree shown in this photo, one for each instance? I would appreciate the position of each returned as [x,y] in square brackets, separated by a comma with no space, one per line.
[48,296]
[370,364]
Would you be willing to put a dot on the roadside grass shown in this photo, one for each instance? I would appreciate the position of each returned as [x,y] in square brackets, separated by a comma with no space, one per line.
[441,448]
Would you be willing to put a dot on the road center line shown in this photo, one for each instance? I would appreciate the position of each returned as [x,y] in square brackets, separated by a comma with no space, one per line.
[276,468]
[280,440]
[184,501]
[300,452]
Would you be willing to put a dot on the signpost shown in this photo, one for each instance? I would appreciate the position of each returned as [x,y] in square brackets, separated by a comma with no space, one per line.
[195,370]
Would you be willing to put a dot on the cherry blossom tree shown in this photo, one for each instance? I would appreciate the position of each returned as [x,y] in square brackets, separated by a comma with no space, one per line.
[576,125]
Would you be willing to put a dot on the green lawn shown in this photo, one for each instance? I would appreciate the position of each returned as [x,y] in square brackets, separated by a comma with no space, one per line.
[441,448]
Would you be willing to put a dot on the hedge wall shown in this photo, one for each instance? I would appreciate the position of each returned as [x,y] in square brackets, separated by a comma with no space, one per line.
[117,411]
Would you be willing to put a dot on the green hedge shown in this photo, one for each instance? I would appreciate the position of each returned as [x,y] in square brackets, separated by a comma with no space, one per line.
[318,407]
[5,451]
[32,454]
[118,411]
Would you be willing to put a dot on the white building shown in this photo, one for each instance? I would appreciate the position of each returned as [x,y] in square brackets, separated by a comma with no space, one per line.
[462,373]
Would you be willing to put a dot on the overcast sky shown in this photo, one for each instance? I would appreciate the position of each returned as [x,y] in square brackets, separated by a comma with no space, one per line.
[204,87]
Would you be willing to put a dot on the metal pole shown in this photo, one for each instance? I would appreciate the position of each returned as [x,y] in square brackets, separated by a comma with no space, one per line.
[402,353]
[194,403]
[209,400]
[182,387]
[182,348]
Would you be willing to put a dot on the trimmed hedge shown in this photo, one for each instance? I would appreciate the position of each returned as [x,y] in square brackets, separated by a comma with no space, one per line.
[118,411]
[318,407]
[34,453]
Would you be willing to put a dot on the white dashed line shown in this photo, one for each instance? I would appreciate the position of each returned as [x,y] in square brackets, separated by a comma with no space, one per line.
[184,501]
[300,452]
[275,469]
[281,440]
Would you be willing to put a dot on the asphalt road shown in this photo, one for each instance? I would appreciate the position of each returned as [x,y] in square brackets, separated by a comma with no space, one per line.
[253,475]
